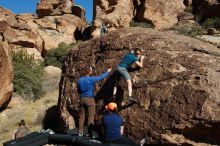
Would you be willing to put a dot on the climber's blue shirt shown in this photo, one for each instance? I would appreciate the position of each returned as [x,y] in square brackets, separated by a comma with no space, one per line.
[86,84]
[128,59]
[112,123]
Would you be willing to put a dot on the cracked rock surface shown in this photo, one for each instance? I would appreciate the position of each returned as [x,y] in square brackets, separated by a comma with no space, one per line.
[178,86]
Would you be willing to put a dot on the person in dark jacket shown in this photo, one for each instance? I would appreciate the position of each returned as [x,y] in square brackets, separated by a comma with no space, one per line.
[85,86]
[104,29]
[113,126]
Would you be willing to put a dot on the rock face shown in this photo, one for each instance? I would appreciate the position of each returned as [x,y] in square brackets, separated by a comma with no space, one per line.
[54,7]
[51,78]
[79,11]
[162,14]
[178,87]
[38,35]
[206,8]
[7,14]
[211,39]
[6,86]
[117,14]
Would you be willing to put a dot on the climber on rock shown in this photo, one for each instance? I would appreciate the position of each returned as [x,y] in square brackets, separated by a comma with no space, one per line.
[130,58]
[103,42]
[85,87]
[104,29]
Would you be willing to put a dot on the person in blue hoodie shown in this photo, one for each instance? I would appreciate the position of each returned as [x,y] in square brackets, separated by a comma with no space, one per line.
[85,87]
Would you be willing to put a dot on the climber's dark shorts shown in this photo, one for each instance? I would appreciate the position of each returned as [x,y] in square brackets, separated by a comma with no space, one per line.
[124,72]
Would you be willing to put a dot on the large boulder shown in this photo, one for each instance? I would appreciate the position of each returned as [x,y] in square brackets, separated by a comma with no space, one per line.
[178,86]
[159,13]
[162,14]
[23,38]
[54,7]
[37,35]
[58,29]
[51,78]
[6,18]
[206,8]
[6,86]
[79,11]
[8,15]
[117,14]
[3,24]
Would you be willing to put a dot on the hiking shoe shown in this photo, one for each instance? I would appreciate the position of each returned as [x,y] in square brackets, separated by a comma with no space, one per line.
[81,135]
[132,99]
[87,135]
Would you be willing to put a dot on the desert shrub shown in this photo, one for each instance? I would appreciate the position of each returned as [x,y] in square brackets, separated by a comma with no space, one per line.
[27,75]
[190,31]
[141,24]
[189,9]
[55,56]
[211,23]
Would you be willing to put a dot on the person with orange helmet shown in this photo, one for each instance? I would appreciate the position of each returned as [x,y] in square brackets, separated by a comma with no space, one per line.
[113,126]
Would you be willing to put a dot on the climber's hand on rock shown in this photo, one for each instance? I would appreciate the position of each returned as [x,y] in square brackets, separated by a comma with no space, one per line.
[109,70]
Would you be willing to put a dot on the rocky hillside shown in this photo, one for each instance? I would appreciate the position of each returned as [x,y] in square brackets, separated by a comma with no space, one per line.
[38,114]
[56,22]
[119,13]
[178,87]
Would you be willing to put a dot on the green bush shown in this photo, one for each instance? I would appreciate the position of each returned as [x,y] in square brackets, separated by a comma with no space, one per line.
[190,31]
[189,9]
[27,75]
[141,24]
[55,56]
[211,23]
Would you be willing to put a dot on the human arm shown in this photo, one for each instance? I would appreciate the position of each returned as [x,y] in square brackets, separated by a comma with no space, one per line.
[140,63]
[122,126]
[102,76]
[122,129]
[13,135]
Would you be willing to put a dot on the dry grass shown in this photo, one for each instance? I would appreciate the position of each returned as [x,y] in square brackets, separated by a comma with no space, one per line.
[30,111]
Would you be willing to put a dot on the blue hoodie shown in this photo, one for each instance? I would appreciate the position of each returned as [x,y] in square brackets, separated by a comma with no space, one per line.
[86,84]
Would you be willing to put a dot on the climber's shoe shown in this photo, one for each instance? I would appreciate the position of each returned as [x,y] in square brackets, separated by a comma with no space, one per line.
[133,99]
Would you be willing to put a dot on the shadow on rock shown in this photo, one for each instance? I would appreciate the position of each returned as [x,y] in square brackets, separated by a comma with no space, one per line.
[51,119]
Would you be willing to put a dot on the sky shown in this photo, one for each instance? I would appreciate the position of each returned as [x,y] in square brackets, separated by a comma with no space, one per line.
[29,6]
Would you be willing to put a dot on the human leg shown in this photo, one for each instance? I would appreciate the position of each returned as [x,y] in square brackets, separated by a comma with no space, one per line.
[122,140]
[81,117]
[130,97]
[128,141]
[114,92]
[91,113]
[117,75]
[129,87]
[123,71]
[90,103]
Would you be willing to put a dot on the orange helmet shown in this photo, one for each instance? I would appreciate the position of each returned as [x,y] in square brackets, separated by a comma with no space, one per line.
[111,106]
